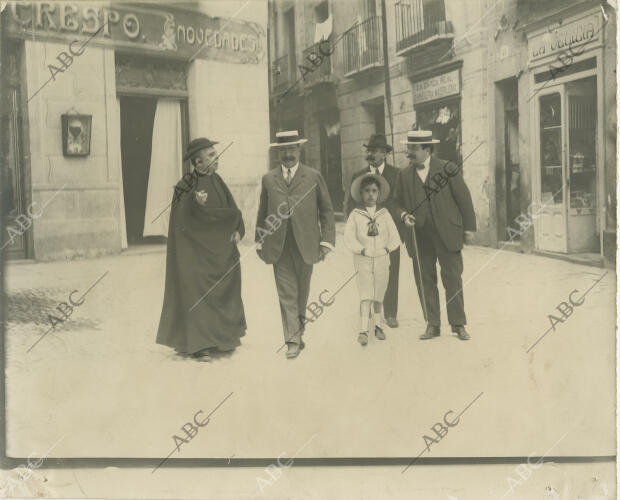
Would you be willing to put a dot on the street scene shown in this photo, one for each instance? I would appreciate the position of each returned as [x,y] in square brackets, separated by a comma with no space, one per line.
[370,232]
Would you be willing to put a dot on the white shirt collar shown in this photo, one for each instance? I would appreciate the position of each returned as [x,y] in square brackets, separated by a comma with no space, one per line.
[371,210]
[293,170]
[379,168]
[423,172]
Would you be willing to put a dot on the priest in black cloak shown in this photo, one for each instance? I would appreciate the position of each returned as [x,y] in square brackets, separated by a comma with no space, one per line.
[203,310]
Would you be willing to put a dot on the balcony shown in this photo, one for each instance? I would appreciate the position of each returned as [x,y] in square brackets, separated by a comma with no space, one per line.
[283,74]
[363,46]
[420,23]
[318,65]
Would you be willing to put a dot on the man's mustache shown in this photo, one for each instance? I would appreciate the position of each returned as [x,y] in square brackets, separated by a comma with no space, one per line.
[288,158]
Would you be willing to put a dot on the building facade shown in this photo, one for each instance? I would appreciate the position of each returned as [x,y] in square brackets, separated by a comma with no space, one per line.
[553,113]
[467,71]
[98,103]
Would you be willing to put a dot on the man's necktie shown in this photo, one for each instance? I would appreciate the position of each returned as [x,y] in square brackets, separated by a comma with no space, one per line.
[288,177]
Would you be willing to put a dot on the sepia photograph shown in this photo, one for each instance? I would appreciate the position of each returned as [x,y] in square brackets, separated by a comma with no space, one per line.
[309,249]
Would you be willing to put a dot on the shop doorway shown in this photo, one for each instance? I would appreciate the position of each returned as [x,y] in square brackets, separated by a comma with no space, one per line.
[567,153]
[16,232]
[137,118]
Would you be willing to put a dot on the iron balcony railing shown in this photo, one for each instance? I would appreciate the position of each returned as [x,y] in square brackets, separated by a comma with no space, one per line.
[283,73]
[363,46]
[419,22]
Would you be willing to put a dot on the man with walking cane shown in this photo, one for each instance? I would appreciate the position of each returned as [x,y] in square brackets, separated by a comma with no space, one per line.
[434,202]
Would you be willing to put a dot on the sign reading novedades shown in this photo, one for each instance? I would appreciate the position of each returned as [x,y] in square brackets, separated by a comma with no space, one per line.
[171,32]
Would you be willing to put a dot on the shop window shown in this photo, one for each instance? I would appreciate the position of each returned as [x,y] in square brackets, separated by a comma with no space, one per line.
[551,149]
[444,119]
[582,151]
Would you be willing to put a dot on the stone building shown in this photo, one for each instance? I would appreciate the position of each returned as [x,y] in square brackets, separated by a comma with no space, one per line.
[459,68]
[98,103]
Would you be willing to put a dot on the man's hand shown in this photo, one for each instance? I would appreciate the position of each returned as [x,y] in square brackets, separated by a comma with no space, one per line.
[323,251]
[235,237]
[409,220]
[468,237]
[201,197]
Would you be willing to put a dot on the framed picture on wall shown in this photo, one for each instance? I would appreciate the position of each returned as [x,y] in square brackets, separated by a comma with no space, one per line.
[76,130]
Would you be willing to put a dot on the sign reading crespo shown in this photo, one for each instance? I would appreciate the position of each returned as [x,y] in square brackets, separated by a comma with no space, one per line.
[170,32]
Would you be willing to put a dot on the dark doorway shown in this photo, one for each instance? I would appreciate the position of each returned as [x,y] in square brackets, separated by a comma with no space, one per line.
[137,117]
[508,179]
[13,151]
[331,163]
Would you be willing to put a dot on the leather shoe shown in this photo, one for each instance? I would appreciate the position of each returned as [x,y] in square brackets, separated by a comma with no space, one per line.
[362,338]
[431,332]
[391,322]
[293,350]
[461,332]
[379,333]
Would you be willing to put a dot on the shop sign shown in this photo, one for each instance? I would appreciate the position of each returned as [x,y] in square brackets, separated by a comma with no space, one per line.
[437,87]
[574,34]
[159,31]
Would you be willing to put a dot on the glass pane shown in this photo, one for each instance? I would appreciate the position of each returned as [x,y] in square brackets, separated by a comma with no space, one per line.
[10,205]
[551,149]
[582,153]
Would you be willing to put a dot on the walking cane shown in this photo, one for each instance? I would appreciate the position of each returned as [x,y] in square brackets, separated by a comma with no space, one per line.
[417,254]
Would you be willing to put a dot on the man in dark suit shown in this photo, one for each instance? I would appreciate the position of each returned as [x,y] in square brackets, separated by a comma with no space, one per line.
[433,201]
[294,230]
[376,152]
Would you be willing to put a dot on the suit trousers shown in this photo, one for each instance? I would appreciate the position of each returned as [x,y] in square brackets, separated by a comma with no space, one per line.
[390,302]
[292,276]
[431,249]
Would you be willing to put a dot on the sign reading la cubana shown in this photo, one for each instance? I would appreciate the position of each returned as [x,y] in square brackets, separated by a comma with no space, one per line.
[169,31]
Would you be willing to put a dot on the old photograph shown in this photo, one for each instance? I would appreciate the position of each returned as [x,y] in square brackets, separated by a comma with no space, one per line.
[309,249]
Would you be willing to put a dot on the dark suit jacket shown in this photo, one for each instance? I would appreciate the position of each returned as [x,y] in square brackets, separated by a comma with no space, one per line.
[311,214]
[391,175]
[451,206]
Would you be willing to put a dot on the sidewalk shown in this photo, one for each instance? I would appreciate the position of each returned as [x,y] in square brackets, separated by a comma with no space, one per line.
[101,378]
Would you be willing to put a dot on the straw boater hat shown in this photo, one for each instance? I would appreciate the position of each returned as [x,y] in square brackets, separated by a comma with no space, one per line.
[287,138]
[420,137]
[356,191]
[196,145]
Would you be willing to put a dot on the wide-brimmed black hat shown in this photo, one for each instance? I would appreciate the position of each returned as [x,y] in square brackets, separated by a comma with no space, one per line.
[196,145]
[378,141]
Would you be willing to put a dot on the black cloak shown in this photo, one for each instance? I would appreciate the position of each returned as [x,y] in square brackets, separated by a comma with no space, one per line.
[202,299]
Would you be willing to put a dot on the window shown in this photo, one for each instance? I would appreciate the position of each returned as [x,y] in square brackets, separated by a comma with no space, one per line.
[551,149]
[321,12]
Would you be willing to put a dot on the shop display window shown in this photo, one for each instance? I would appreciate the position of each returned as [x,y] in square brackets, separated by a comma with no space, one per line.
[582,151]
[551,149]
[444,119]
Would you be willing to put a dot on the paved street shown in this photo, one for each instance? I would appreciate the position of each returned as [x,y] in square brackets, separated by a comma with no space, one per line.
[102,382]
